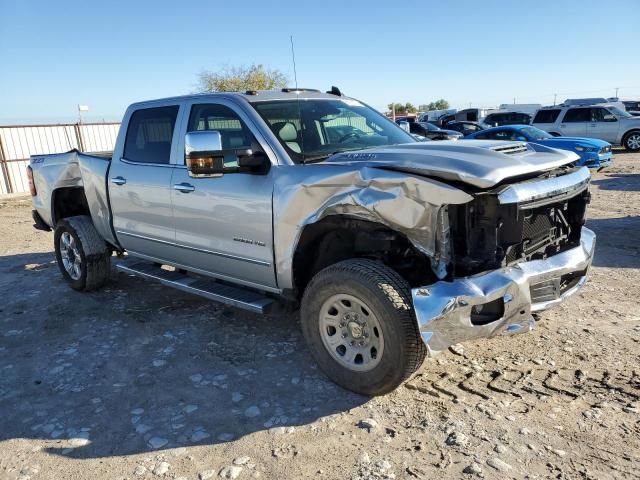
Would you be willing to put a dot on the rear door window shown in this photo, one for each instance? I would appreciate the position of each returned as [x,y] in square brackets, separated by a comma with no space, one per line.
[576,115]
[149,135]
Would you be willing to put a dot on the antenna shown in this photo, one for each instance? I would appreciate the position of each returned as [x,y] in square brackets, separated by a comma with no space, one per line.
[295,77]
[293,59]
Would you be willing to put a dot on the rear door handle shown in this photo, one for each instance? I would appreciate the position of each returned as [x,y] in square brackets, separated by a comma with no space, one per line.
[184,187]
[119,180]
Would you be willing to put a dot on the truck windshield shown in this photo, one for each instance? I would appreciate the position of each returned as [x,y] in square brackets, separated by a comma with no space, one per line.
[619,113]
[313,129]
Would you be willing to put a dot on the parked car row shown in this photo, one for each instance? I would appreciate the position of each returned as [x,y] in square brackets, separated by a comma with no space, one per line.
[605,122]
[610,120]
[593,153]
[427,130]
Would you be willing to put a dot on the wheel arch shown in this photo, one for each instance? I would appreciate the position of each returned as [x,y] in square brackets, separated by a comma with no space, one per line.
[68,202]
[629,132]
[340,237]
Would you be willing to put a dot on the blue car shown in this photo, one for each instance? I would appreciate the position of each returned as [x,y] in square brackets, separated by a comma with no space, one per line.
[593,153]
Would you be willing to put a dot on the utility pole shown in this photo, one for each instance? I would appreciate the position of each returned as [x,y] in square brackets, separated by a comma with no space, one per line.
[617,88]
[393,111]
[555,97]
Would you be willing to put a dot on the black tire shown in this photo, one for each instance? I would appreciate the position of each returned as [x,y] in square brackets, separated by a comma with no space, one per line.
[95,254]
[388,295]
[631,141]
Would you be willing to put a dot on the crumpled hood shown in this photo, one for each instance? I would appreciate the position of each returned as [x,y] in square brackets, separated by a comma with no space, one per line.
[481,163]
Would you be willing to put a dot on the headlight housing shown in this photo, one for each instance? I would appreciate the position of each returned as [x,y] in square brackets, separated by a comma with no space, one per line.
[583,149]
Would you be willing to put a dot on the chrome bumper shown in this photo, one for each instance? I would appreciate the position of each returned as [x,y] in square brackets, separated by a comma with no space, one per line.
[444,309]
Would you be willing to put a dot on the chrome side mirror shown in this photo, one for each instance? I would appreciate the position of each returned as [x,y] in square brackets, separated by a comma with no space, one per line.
[203,153]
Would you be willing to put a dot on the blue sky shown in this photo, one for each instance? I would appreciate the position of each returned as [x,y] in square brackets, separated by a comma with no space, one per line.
[107,54]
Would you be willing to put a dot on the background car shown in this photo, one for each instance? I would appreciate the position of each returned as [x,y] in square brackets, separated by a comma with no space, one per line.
[606,122]
[466,128]
[430,131]
[593,153]
[498,119]
[632,107]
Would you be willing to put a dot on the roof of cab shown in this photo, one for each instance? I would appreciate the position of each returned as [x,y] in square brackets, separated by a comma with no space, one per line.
[256,96]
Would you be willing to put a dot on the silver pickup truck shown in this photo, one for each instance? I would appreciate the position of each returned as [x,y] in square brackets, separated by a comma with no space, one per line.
[393,249]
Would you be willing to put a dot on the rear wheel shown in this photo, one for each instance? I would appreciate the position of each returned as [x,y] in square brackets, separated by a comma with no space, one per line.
[631,141]
[84,258]
[357,318]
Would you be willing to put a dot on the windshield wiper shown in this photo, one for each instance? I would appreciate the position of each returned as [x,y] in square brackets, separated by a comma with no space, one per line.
[327,155]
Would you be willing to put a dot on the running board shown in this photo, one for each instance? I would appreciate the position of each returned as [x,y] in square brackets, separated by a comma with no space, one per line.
[202,286]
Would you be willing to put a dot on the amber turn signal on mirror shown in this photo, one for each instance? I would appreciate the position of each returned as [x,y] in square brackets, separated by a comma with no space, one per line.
[205,165]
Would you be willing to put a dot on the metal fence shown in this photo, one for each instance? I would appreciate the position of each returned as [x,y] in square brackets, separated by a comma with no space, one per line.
[19,142]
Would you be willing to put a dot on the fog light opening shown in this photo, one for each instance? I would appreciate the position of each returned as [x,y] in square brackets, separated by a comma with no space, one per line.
[485,313]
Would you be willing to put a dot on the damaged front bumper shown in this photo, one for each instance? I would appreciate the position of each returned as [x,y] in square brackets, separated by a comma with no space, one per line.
[499,301]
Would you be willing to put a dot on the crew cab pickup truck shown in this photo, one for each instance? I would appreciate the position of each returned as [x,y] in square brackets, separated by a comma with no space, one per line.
[393,249]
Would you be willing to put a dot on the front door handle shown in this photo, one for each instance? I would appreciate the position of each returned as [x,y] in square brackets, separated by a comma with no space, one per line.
[119,180]
[184,187]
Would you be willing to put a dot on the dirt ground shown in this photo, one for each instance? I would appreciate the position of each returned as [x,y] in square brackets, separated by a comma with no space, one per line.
[138,381]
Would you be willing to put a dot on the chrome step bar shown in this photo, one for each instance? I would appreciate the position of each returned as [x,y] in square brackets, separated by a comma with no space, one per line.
[202,286]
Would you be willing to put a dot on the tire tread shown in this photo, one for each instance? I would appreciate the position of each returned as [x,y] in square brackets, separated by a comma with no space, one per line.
[398,292]
[95,249]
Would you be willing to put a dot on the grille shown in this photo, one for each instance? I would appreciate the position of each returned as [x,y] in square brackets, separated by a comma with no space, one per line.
[545,230]
[488,235]
[552,289]
[511,149]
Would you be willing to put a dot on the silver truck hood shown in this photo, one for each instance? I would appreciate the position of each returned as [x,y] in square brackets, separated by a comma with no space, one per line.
[481,163]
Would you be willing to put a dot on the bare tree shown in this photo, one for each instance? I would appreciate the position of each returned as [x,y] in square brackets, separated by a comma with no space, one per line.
[241,78]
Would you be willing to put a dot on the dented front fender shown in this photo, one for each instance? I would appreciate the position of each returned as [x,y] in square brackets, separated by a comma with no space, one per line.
[408,204]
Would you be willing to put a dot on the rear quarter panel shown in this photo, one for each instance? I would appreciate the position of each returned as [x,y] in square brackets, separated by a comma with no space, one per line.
[73,170]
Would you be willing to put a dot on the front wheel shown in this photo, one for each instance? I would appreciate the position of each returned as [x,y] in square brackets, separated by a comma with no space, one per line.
[358,320]
[84,258]
[632,141]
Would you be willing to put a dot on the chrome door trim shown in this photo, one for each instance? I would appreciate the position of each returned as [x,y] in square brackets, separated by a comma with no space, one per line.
[147,164]
[206,273]
[211,252]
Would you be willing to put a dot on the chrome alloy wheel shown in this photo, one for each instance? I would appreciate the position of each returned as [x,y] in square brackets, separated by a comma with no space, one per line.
[351,333]
[633,142]
[71,259]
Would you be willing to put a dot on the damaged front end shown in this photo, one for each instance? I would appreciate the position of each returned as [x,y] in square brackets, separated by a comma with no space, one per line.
[515,250]
[413,206]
